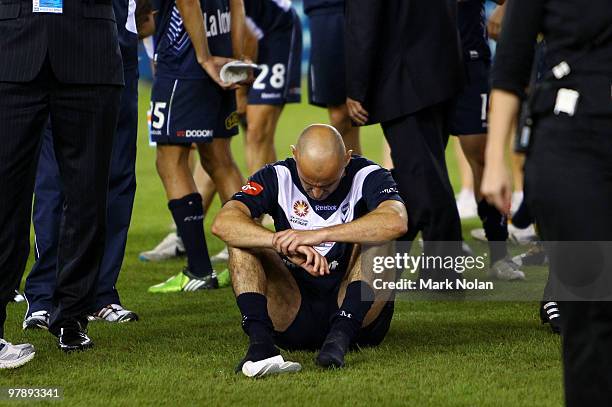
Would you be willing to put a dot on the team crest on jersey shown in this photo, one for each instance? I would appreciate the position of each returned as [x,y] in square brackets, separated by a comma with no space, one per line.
[232,120]
[252,188]
[301,208]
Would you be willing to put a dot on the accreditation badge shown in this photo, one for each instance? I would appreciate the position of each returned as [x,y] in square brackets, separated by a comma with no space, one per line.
[48,6]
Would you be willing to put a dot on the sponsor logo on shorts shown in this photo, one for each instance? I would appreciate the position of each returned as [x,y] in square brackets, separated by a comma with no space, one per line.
[271,95]
[301,208]
[252,188]
[194,133]
[232,120]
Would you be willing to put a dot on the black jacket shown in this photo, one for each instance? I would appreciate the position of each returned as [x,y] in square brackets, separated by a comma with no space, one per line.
[402,55]
[81,43]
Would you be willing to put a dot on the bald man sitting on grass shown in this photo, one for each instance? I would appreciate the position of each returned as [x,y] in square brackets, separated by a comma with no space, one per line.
[302,287]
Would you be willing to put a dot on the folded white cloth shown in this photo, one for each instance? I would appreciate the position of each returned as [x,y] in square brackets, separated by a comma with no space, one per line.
[273,365]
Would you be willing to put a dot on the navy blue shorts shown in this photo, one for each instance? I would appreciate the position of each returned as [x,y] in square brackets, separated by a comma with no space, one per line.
[327,72]
[470,113]
[312,324]
[279,57]
[185,111]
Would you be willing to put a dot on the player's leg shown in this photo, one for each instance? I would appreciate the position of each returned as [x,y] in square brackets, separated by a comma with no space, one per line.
[339,118]
[466,202]
[517,162]
[259,146]
[205,185]
[185,204]
[217,160]
[470,125]
[278,83]
[175,126]
[267,296]
[494,223]
[172,245]
[216,157]
[360,307]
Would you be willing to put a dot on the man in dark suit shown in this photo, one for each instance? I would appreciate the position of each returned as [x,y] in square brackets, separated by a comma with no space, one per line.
[404,66]
[64,64]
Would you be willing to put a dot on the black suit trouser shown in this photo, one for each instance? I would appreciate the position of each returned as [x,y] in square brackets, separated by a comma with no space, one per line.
[418,142]
[83,119]
[568,175]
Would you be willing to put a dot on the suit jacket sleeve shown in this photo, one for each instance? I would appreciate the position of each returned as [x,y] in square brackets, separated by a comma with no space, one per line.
[361,34]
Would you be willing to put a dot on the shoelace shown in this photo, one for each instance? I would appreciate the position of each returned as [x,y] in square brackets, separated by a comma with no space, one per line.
[104,312]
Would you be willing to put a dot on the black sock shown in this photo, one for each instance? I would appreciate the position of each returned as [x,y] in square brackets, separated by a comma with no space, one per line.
[349,318]
[496,230]
[188,215]
[522,218]
[256,322]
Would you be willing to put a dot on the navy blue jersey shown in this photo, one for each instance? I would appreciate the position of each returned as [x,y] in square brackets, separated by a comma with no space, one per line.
[174,52]
[473,29]
[276,190]
[264,16]
[128,41]
[311,6]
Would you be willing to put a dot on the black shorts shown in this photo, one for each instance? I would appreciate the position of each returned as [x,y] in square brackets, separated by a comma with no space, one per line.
[280,62]
[312,324]
[470,110]
[185,111]
[327,72]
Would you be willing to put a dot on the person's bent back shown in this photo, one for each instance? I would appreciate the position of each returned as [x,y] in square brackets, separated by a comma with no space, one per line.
[301,287]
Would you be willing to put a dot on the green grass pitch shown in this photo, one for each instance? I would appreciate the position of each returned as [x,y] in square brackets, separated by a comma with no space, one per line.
[184,349]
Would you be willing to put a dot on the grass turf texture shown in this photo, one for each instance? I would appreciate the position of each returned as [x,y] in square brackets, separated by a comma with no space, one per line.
[184,349]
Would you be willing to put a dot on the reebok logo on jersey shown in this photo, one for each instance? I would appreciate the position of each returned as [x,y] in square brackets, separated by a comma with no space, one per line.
[326,207]
[252,188]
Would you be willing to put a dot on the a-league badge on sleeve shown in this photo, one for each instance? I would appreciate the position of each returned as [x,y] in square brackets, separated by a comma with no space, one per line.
[48,6]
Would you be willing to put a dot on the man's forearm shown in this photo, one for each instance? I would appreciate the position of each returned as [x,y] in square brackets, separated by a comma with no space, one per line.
[241,231]
[193,20]
[238,27]
[379,226]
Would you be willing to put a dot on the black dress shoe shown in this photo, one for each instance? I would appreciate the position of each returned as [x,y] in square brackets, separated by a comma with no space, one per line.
[74,338]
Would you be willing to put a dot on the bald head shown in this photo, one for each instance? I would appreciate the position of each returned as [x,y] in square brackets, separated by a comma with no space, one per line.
[320,155]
